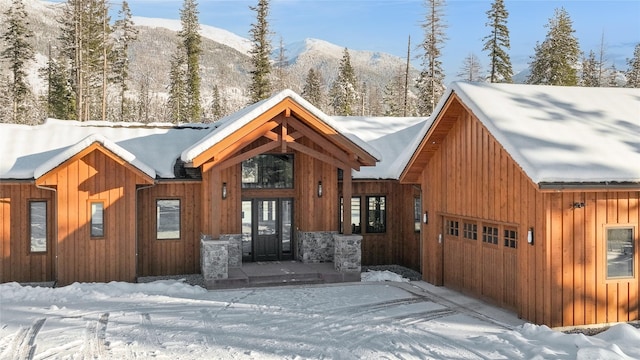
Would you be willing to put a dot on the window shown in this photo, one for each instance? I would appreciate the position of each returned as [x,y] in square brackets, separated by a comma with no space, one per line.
[470,231]
[510,238]
[620,252]
[452,228]
[417,213]
[38,226]
[268,171]
[490,235]
[356,227]
[168,219]
[97,219]
[376,214]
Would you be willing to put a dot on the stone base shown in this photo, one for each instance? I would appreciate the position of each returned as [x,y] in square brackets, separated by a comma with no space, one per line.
[348,253]
[235,248]
[315,247]
[214,259]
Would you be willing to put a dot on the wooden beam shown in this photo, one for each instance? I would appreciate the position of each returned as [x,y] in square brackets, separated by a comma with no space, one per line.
[320,156]
[283,134]
[346,201]
[240,157]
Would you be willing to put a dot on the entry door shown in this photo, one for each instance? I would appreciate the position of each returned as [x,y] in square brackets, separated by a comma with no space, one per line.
[267,226]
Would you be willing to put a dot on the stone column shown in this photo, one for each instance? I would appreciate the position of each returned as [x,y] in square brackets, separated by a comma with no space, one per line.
[214,258]
[235,248]
[348,253]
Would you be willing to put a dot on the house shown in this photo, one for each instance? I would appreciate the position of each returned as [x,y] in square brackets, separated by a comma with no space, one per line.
[97,201]
[531,199]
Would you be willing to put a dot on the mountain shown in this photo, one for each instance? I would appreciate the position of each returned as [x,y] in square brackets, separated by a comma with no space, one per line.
[225,61]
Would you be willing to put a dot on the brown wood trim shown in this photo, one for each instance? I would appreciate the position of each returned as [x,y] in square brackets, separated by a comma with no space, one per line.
[469,218]
[248,194]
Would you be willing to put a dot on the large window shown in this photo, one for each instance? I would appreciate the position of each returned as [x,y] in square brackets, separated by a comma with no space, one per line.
[356,227]
[620,252]
[38,226]
[97,219]
[168,219]
[268,171]
[376,214]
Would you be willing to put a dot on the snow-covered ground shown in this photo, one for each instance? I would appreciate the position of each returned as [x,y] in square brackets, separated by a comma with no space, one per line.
[372,320]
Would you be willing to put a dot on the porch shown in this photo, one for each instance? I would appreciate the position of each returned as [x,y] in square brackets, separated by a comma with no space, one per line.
[279,273]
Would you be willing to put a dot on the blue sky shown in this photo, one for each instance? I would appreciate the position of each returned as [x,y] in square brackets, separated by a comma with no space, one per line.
[385,25]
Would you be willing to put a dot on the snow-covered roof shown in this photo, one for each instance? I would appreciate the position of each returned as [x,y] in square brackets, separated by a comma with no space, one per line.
[229,124]
[560,134]
[27,152]
[395,138]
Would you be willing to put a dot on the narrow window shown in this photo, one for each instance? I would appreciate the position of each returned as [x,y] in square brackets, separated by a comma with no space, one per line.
[168,219]
[452,228]
[417,214]
[490,235]
[38,226]
[510,238]
[97,219]
[376,214]
[356,226]
[620,252]
[470,231]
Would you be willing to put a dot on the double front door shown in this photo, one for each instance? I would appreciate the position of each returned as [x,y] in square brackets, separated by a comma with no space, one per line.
[267,229]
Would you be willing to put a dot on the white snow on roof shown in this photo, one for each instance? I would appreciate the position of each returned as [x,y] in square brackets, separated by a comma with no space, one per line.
[393,137]
[28,151]
[235,121]
[85,143]
[558,133]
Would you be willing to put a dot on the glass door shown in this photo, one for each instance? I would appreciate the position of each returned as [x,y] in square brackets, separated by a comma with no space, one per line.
[267,229]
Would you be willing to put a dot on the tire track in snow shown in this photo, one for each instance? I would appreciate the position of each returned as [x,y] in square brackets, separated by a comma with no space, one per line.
[94,345]
[23,345]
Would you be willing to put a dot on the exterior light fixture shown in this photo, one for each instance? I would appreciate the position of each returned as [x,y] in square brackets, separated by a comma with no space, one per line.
[319,188]
[530,236]
[224,190]
[578,205]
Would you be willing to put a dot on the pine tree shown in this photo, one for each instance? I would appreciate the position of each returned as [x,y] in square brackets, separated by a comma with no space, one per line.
[125,34]
[312,90]
[281,68]
[260,87]
[497,43]
[471,69]
[590,76]
[178,90]
[85,39]
[192,45]
[218,106]
[612,77]
[343,95]
[18,52]
[430,82]
[393,95]
[60,101]
[633,70]
[556,58]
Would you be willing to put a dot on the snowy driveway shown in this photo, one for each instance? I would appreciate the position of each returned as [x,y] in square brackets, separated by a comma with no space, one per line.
[171,320]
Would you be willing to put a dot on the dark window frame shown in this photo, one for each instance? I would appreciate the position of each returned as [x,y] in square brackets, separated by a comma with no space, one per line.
[31,226]
[620,252]
[260,163]
[417,214]
[490,234]
[379,224]
[469,230]
[158,222]
[94,225]
[355,228]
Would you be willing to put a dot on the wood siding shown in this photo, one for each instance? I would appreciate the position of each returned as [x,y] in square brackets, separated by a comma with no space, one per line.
[175,256]
[561,277]
[400,244]
[17,261]
[94,176]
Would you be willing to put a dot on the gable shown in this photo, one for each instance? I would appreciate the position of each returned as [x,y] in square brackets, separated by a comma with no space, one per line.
[283,120]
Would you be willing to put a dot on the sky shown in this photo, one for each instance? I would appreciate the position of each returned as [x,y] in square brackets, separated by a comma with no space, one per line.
[385,25]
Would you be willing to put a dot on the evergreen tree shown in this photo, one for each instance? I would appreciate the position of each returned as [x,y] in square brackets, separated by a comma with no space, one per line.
[218,106]
[60,101]
[393,95]
[556,58]
[178,90]
[590,76]
[18,52]
[612,77]
[192,45]
[471,69]
[343,94]
[85,38]
[281,68]
[125,34]
[430,82]
[633,70]
[260,87]
[312,90]
[497,43]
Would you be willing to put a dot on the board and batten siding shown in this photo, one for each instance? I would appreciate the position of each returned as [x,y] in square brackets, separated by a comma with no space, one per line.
[170,256]
[94,175]
[17,262]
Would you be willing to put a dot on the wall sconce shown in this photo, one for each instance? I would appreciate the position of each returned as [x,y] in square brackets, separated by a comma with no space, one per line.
[530,236]
[319,188]
[578,205]
[224,190]
[425,217]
